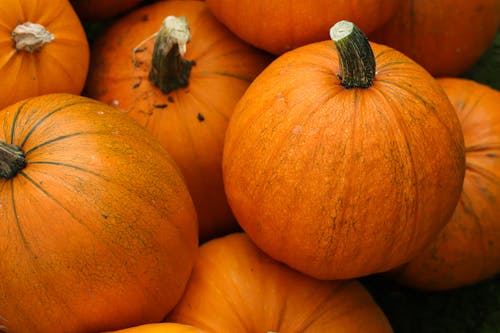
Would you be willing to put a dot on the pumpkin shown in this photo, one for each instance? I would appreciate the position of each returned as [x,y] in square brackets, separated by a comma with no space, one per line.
[278,26]
[235,287]
[343,161]
[98,229]
[445,36]
[43,49]
[467,251]
[160,328]
[92,10]
[186,104]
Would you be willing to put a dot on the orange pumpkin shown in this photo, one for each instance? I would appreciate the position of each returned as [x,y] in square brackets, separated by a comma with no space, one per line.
[160,328]
[468,249]
[235,287]
[339,168]
[445,36]
[43,49]
[186,106]
[98,229]
[278,26]
[93,10]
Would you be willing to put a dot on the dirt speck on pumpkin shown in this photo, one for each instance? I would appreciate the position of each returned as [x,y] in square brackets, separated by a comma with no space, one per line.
[200,117]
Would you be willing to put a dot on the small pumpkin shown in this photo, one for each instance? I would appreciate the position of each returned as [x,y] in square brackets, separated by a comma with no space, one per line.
[344,160]
[445,36]
[160,328]
[184,93]
[235,287]
[43,49]
[467,251]
[93,10]
[278,26]
[98,229]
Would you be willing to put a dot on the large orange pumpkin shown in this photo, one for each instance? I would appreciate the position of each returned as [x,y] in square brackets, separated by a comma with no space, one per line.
[92,10]
[341,169]
[43,49]
[445,36]
[278,26]
[98,229]
[235,287]
[468,249]
[186,105]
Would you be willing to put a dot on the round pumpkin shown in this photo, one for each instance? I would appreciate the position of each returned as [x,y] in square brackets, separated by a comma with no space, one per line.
[467,251]
[185,99]
[160,328]
[43,49]
[235,287]
[93,10]
[445,36]
[98,229]
[278,26]
[345,160]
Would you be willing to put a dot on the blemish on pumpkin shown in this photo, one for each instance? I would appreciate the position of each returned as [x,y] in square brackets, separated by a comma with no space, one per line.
[160,106]
[491,155]
[105,215]
[115,102]
[145,18]
[170,99]
[200,117]
[136,85]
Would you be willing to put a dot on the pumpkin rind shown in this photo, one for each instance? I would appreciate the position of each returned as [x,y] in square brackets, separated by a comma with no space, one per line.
[190,122]
[446,37]
[235,287]
[278,26]
[336,182]
[58,67]
[467,250]
[98,231]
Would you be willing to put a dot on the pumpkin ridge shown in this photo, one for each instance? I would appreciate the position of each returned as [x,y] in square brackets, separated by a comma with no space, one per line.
[413,208]
[49,114]
[14,123]
[484,172]
[225,74]
[63,137]
[318,311]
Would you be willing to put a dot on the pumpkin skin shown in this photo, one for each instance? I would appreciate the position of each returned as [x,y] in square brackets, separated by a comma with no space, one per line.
[235,287]
[60,66]
[467,251]
[278,26]
[341,183]
[92,10]
[160,328]
[445,36]
[98,231]
[190,122]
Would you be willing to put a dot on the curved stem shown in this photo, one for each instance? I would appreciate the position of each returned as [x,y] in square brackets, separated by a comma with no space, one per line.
[357,62]
[169,70]
[30,37]
[12,160]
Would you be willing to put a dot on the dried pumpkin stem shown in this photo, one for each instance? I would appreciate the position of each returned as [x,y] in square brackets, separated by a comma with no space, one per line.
[30,37]
[12,160]
[357,62]
[169,70]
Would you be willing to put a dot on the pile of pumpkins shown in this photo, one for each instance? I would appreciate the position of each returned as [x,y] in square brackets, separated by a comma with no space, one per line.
[236,165]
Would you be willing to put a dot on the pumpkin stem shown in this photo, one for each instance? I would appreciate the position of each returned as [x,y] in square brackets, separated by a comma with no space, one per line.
[12,160]
[169,70]
[30,37]
[357,62]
